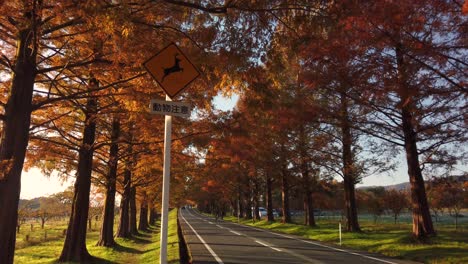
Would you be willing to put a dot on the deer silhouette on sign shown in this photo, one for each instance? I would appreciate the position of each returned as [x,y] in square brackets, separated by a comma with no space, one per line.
[173,69]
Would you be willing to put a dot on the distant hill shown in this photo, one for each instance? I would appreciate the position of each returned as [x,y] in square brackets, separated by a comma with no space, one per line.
[406,185]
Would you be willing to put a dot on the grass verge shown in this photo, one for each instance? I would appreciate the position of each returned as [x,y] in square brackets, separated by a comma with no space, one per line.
[142,248]
[388,239]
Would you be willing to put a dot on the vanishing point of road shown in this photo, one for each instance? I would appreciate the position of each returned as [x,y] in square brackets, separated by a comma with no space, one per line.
[211,242]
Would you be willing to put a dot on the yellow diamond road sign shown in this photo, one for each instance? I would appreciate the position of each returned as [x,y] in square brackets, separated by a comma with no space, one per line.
[172,70]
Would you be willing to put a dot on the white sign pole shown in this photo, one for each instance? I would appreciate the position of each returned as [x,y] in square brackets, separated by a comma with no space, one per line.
[165,191]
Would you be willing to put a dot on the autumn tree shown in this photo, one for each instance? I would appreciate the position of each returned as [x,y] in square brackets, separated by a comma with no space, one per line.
[337,82]
[48,207]
[123,229]
[107,230]
[396,201]
[419,100]
[454,200]
[435,200]
[46,35]
[75,241]
[451,194]
[25,209]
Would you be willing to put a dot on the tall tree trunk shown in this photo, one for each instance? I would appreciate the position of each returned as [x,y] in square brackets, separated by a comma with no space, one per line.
[269,198]
[74,248]
[14,141]
[352,223]
[90,223]
[309,208]
[255,198]
[422,221]
[240,204]
[143,223]
[106,237]
[309,218]
[285,188]
[248,214]
[124,221]
[153,216]
[133,212]
[349,176]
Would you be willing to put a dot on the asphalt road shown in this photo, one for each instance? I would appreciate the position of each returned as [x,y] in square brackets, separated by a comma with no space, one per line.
[224,242]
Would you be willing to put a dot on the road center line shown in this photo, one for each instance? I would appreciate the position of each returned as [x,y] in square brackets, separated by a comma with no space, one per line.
[203,241]
[266,245]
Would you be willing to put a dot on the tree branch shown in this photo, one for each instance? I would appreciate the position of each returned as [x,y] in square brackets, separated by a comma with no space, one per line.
[72,22]
[215,10]
[78,94]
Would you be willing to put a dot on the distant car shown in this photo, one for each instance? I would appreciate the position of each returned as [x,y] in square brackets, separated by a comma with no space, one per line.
[264,213]
[276,213]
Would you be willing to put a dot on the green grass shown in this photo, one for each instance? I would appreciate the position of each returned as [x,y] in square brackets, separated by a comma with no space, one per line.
[143,248]
[172,244]
[385,238]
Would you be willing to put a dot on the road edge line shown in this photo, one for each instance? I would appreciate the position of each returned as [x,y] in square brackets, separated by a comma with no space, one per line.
[317,244]
[203,241]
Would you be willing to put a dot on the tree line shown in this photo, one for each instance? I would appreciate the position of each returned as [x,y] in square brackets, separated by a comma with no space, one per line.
[341,98]
[328,89]
[73,98]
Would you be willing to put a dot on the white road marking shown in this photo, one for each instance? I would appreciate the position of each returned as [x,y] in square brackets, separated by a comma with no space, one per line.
[266,245]
[232,231]
[220,227]
[305,258]
[320,245]
[210,222]
[203,241]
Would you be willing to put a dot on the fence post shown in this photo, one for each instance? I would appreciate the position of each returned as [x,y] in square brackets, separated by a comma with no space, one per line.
[339,228]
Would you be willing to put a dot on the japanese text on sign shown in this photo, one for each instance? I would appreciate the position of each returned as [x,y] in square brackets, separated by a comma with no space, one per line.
[170,108]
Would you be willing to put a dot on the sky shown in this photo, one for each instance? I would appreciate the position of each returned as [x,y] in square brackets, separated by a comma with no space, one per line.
[35,184]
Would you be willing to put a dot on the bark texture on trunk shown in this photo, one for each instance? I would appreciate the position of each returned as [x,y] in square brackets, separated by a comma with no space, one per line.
[153,216]
[133,212]
[240,204]
[248,213]
[124,221]
[269,197]
[352,223]
[285,189]
[422,221]
[309,208]
[14,142]
[74,248]
[256,203]
[143,223]
[106,237]
[349,176]
[309,218]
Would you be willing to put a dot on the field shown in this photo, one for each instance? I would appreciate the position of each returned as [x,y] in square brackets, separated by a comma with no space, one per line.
[143,248]
[384,237]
